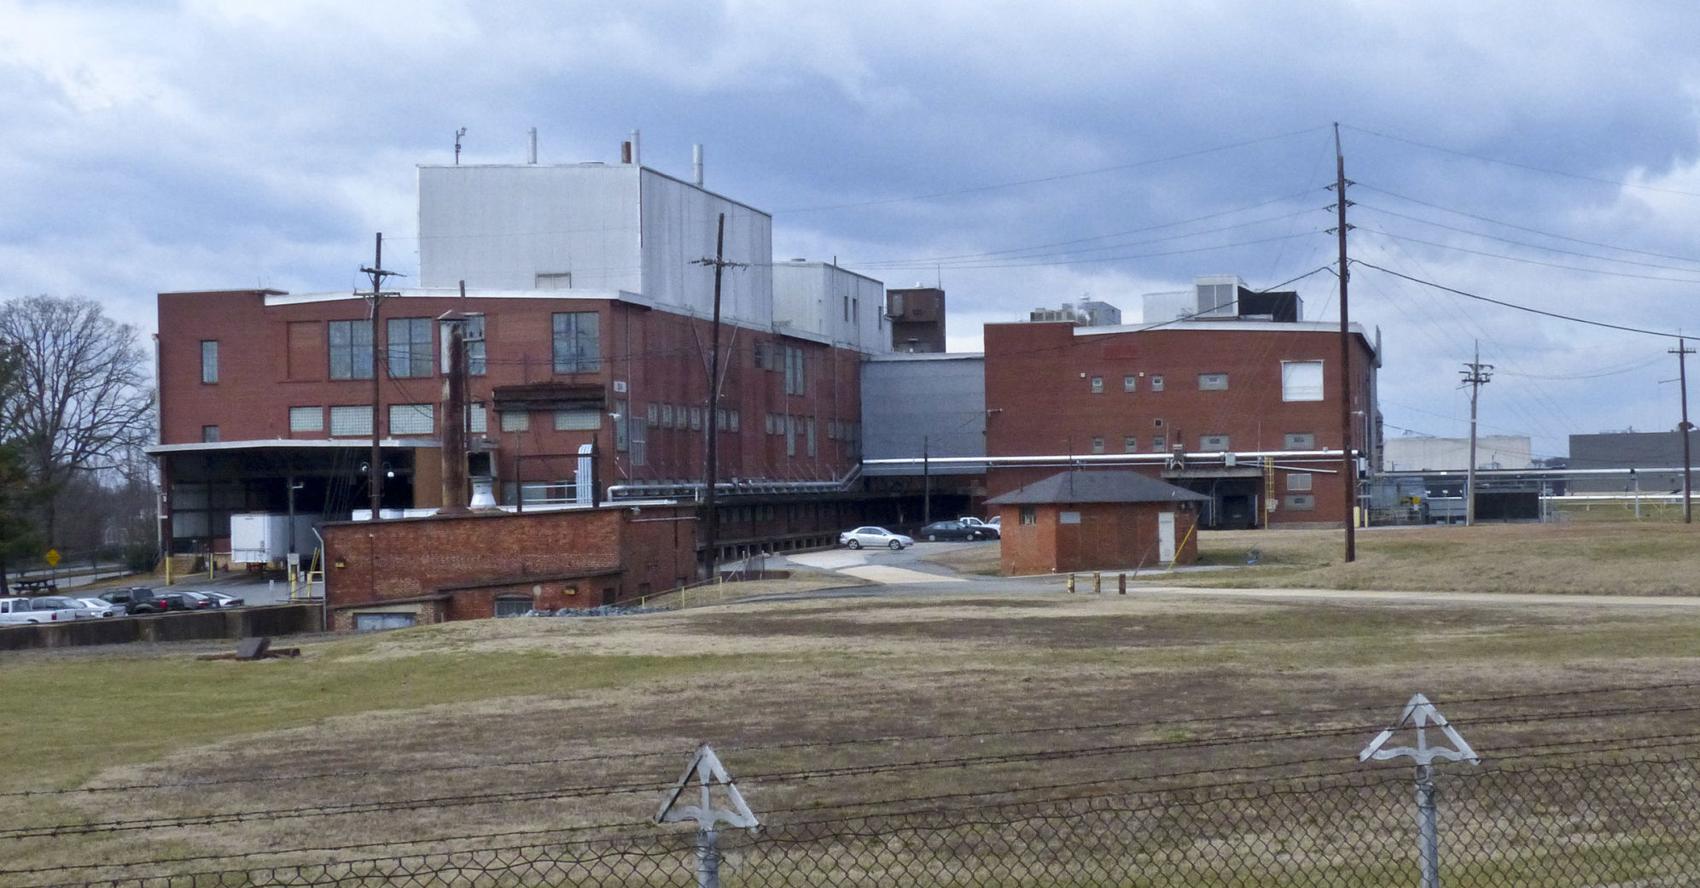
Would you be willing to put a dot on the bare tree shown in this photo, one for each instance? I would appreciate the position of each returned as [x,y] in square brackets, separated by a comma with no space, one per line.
[82,398]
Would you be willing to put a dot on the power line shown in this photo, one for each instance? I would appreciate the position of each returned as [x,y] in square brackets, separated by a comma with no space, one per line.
[1551,314]
[1523,166]
[1526,261]
[1506,240]
[1014,183]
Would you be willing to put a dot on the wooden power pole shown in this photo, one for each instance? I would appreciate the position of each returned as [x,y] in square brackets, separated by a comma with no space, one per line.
[375,470]
[1686,429]
[1476,375]
[1348,465]
[711,472]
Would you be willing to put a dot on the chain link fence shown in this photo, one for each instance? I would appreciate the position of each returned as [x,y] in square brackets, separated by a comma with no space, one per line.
[1630,819]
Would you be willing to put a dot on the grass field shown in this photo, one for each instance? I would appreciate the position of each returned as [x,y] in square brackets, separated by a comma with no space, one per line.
[407,714]
[1607,558]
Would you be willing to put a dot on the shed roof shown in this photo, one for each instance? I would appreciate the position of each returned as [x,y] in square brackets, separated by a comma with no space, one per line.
[1097,487]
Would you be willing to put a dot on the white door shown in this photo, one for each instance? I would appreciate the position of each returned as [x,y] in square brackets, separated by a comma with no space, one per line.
[1166,536]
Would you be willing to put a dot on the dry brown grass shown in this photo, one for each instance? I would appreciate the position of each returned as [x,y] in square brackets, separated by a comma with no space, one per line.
[1567,558]
[623,699]
[978,560]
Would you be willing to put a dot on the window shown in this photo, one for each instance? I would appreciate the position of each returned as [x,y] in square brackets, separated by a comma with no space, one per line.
[652,414]
[380,621]
[1301,502]
[1029,515]
[516,421]
[578,342]
[553,280]
[1297,481]
[209,433]
[1097,385]
[1298,441]
[1129,383]
[476,420]
[1157,383]
[1158,442]
[306,419]
[639,435]
[1213,442]
[508,606]
[734,420]
[351,420]
[1130,444]
[580,420]
[1301,380]
[1097,445]
[351,350]
[473,333]
[846,308]
[1212,382]
[769,426]
[809,426]
[790,435]
[412,419]
[696,419]
[209,361]
[666,416]
[409,346]
[621,441]
[796,375]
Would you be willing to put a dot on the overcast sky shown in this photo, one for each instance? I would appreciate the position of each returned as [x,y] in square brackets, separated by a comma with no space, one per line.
[1539,153]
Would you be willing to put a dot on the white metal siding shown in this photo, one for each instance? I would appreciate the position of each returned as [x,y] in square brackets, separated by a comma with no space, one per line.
[679,223]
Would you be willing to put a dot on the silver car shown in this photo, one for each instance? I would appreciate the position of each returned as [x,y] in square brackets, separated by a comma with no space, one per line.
[96,607]
[874,536]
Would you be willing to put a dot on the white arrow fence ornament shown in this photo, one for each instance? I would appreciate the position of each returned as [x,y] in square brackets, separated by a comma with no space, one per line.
[1420,715]
[705,768]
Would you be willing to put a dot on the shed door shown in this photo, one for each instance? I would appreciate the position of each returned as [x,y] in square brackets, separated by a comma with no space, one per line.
[1166,536]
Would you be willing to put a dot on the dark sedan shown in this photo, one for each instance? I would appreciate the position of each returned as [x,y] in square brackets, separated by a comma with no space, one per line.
[947,530]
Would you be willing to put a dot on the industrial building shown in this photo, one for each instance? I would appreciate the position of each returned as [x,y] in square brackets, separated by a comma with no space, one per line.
[1097,519]
[1242,408]
[589,321]
[917,319]
[1655,457]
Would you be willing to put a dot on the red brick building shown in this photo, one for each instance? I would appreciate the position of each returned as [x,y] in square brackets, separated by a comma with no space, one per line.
[1246,412]
[1088,519]
[414,571]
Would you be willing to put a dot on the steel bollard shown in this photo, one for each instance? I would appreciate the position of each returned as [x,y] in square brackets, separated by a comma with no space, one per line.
[1097,583]
[1071,584]
[1121,583]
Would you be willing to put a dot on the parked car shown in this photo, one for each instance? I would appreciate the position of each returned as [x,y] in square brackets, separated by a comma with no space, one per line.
[64,608]
[175,601]
[997,522]
[981,530]
[140,600]
[197,600]
[20,610]
[947,530]
[96,607]
[222,599]
[874,536]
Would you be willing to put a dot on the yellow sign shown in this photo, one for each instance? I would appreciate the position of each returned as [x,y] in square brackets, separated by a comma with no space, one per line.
[52,558]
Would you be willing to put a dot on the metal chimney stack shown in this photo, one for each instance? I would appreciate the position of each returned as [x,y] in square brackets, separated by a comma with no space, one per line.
[533,145]
[637,151]
[696,165]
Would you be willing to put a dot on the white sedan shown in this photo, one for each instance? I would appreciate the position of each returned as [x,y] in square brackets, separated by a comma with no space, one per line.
[96,607]
[874,536]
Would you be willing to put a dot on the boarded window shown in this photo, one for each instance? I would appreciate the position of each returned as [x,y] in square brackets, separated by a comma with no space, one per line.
[1130,444]
[1213,442]
[1097,445]
[1097,385]
[412,419]
[1068,517]
[1212,382]
[1298,441]
[306,419]
[578,420]
[351,420]
[209,434]
[1156,383]
[1158,443]
[306,350]
[553,280]
[1301,380]
[515,421]
[1129,383]
[638,435]
[1300,503]
[1298,481]
[652,414]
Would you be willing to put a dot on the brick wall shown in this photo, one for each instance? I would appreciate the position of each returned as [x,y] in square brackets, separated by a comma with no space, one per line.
[1110,536]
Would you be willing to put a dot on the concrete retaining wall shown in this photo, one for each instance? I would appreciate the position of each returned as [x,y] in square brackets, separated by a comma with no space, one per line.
[283,619]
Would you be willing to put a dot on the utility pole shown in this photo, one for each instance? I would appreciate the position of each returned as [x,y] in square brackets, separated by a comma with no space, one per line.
[1476,374]
[711,479]
[454,414]
[375,471]
[1348,466]
[1686,430]
[926,483]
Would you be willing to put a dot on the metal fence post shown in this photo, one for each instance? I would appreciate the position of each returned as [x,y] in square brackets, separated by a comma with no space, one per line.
[1428,838]
[708,858]
[1420,715]
[1071,584]
[1097,583]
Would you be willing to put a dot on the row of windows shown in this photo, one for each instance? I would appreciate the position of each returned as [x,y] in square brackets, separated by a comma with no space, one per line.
[1300,381]
[1130,443]
[576,346]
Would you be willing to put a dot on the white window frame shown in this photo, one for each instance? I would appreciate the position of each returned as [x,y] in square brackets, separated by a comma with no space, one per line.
[1293,388]
[350,420]
[1212,382]
[583,419]
[1298,482]
[516,420]
[306,419]
[412,419]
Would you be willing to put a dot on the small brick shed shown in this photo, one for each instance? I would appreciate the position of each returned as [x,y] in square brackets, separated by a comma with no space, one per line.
[1097,520]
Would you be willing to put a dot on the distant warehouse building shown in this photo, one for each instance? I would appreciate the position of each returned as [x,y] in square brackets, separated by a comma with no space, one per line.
[1656,458]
